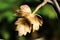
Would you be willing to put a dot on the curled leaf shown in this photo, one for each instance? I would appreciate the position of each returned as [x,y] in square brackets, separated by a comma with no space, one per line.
[29,22]
[22,26]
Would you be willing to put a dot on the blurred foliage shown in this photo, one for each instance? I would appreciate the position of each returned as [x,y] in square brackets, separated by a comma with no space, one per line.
[8,7]
[48,11]
[4,4]
[5,34]
[21,38]
[9,16]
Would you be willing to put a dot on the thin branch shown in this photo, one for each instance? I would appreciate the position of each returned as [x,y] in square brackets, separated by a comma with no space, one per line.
[54,2]
[39,6]
[42,4]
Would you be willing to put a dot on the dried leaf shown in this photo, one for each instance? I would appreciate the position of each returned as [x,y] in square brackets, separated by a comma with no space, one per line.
[22,26]
[35,21]
[29,22]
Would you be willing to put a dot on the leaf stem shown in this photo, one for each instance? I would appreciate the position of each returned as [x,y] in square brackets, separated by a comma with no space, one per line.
[39,6]
[54,2]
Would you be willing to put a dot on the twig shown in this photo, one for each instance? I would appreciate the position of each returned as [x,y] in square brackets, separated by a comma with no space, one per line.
[39,6]
[42,4]
[54,2]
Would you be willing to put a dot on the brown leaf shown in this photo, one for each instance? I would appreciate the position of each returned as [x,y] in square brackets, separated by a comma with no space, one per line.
[35,21]
[24,24]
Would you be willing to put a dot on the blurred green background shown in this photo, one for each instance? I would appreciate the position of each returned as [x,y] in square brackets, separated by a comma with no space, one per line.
[50,28]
